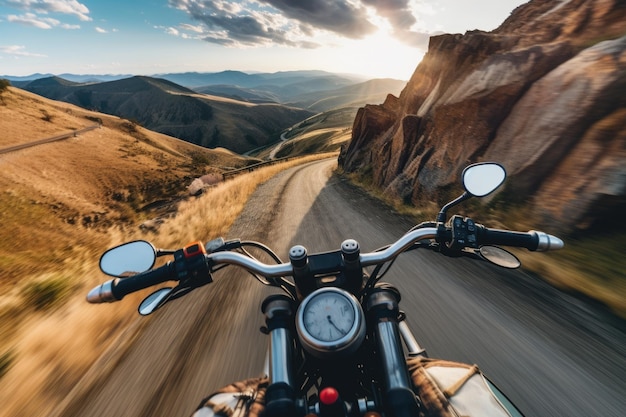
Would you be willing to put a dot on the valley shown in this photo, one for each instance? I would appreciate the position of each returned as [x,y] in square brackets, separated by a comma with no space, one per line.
[206,111]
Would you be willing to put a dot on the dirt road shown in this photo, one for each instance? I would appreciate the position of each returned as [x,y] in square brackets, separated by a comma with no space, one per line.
[552,354]
[51,139]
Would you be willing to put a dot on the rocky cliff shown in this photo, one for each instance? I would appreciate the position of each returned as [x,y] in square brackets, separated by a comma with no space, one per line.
[544,94]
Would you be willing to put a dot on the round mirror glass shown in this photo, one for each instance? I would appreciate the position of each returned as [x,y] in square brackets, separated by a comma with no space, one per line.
[482,179]
[500,257]
[153,301]
[128,259]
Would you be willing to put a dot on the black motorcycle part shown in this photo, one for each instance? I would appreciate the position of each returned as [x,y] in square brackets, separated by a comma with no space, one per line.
[401,402]
[312,272]
[383,313]
[487,236]
[124,286]
[278,310]
[280,400]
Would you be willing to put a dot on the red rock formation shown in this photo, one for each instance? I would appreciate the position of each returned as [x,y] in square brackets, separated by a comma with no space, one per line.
[544,94]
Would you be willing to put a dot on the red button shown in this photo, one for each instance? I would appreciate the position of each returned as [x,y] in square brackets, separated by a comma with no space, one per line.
[329,396]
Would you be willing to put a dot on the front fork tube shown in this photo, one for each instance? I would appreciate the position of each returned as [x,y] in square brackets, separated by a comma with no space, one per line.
[280,394]
[382,313]
[413,348]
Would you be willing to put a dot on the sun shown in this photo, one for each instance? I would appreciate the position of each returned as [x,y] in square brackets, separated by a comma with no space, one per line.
[379,55]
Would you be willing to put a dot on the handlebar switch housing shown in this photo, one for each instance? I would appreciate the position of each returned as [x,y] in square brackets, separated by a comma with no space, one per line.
[463,233]
[191,263]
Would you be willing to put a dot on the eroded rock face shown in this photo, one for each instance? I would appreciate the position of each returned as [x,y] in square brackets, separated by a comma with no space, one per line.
[544,94]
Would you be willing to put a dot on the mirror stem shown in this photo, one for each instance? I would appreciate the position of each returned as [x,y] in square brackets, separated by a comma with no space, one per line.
[442,216]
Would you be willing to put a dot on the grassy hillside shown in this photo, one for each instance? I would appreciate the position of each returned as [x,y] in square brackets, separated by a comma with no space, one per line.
[324,132]
[72,192]
[62,204]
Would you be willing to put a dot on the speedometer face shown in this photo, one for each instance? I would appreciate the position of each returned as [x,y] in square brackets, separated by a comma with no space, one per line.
[330,322]
[329,316]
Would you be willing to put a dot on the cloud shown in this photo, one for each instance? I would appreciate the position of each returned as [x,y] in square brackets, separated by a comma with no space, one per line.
[338,16]
[229,24]
[100,30]
[172,31]
[70,7]
[17,50]
[400,16]
[296,22]
[266,22]
[191,28]
[397,12]
[31,19]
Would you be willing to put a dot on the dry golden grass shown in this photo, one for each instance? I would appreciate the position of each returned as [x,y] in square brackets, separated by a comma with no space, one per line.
[49,335]
[81,186]
[61,205]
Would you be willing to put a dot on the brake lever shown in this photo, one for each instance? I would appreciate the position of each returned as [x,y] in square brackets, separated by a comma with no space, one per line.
[220,245]
[162,296]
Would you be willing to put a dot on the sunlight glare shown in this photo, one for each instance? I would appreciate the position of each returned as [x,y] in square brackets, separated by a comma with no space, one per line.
[380,55]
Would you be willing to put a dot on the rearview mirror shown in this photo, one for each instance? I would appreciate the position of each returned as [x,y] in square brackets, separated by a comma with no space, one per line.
[128,259]
[479,180]
[155,300]
[484,178]
[498,256]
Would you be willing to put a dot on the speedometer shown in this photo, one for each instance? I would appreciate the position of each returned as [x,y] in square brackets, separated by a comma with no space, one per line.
[330,321]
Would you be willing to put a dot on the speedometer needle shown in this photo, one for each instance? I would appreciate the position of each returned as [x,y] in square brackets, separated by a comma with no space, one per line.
[334,325]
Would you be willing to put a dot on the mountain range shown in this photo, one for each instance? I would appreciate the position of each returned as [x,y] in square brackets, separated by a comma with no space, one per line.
[230,109]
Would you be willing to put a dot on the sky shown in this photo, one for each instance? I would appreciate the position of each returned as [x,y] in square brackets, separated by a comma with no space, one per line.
[373,38]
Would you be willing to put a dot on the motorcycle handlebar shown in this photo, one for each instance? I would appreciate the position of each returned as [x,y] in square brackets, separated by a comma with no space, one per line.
[532,240]
[116,289]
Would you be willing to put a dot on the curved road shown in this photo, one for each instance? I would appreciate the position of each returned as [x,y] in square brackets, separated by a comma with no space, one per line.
[552,354]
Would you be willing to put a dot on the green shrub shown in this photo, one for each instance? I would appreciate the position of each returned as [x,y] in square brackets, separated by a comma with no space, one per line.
[6,360]
[46,293]
[4,85]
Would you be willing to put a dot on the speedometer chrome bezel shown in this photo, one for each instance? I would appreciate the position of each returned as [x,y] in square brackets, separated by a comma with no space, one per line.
[348,343]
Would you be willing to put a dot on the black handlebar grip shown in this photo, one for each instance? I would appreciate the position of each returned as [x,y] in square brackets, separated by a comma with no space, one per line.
[487,236]
[124,286]
[116,289]
[532,240]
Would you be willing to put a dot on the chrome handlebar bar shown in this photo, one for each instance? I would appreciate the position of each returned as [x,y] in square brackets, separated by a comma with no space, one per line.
[286,269]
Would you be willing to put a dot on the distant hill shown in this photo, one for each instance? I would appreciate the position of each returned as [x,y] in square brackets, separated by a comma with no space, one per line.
[316,80]
[169,108]
[317,90]
[319,94]
[252,95]
[325,132]
[79,78]
[357,95]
